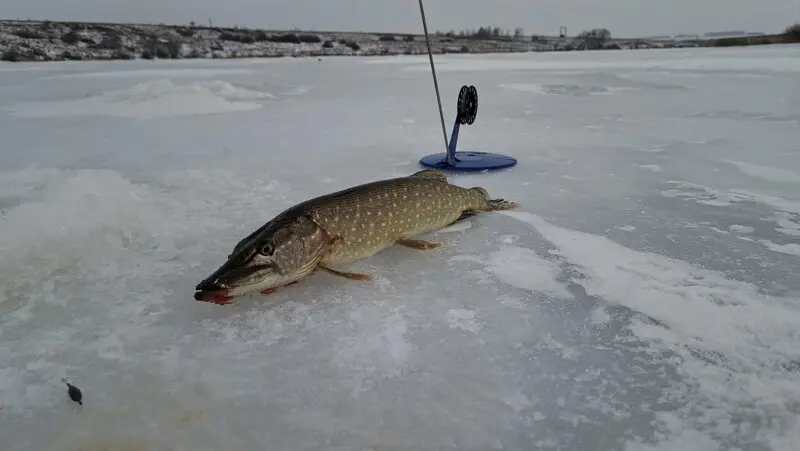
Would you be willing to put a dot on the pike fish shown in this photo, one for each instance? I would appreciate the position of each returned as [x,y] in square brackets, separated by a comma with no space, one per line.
[339,228]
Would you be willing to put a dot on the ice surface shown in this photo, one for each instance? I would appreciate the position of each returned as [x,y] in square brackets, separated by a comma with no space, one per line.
[149,100]
[651,167]
[740,228]
[645,297]
[770,174]
[773,60]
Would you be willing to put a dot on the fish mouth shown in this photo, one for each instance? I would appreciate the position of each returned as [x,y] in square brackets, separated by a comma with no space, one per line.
[217,288]
[213,293]
[217,296]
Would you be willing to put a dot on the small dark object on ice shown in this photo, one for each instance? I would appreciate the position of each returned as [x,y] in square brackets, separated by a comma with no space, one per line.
[74,392]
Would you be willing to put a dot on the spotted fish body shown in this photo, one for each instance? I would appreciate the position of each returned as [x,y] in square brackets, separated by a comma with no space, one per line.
[373,217]
[342,227]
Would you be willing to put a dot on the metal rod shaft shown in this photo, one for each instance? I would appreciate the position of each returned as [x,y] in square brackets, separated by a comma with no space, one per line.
[435,82]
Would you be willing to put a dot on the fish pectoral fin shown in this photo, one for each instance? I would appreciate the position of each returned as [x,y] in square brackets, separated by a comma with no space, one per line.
[419,245]
[344,274]
[334,243]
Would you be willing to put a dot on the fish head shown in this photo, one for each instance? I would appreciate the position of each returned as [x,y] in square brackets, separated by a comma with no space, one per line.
[281,252]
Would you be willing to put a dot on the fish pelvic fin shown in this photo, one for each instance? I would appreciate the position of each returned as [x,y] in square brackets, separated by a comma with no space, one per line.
[334,242]
[345,274]
[420,245]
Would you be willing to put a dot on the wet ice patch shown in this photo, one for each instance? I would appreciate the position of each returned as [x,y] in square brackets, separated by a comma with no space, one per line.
[151,100]
[600,316]
[786,223]
[650,167]
[789,232]
[738,347]
[768,173]
[702,194]
[788,248]
[155,73]
[18,186]
[785,209]
[523,269]
[676,435]
[563,89]
[517,401]
[508,239]
[463,319]
[297,91]
[511,302]
[457,227]
[778,203]
[380,349]
[785,226]
[740,229]
[524,87]
[560,349]
[746,116]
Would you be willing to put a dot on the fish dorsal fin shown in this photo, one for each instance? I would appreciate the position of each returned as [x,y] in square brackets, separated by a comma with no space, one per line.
[432,174]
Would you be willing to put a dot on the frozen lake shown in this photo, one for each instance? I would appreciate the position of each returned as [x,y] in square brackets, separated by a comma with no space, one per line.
[644,297]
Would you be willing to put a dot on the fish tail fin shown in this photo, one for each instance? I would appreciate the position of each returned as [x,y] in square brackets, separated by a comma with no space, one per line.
[494,204]
[501,205]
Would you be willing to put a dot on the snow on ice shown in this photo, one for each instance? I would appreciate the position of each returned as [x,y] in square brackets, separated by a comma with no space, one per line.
[645,296]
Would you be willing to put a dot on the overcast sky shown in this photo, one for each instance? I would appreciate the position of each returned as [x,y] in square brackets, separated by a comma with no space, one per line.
[621,17]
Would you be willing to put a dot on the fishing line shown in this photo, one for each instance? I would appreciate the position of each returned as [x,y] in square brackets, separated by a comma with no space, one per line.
[435,81]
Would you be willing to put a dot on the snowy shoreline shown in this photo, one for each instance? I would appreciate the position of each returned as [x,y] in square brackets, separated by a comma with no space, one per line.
[59,41]
[32,41]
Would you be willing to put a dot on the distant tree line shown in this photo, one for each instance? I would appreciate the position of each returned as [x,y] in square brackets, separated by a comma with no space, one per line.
[171,45]
[790,35]
[594,39]
[488,32]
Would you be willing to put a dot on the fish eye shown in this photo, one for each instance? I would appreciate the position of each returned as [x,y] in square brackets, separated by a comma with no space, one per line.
[266,248]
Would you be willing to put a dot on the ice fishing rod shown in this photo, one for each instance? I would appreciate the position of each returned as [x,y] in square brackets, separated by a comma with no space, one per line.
[435,81]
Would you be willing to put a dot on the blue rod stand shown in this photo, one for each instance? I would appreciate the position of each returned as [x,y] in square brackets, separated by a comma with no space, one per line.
[451,147]
[466,161]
